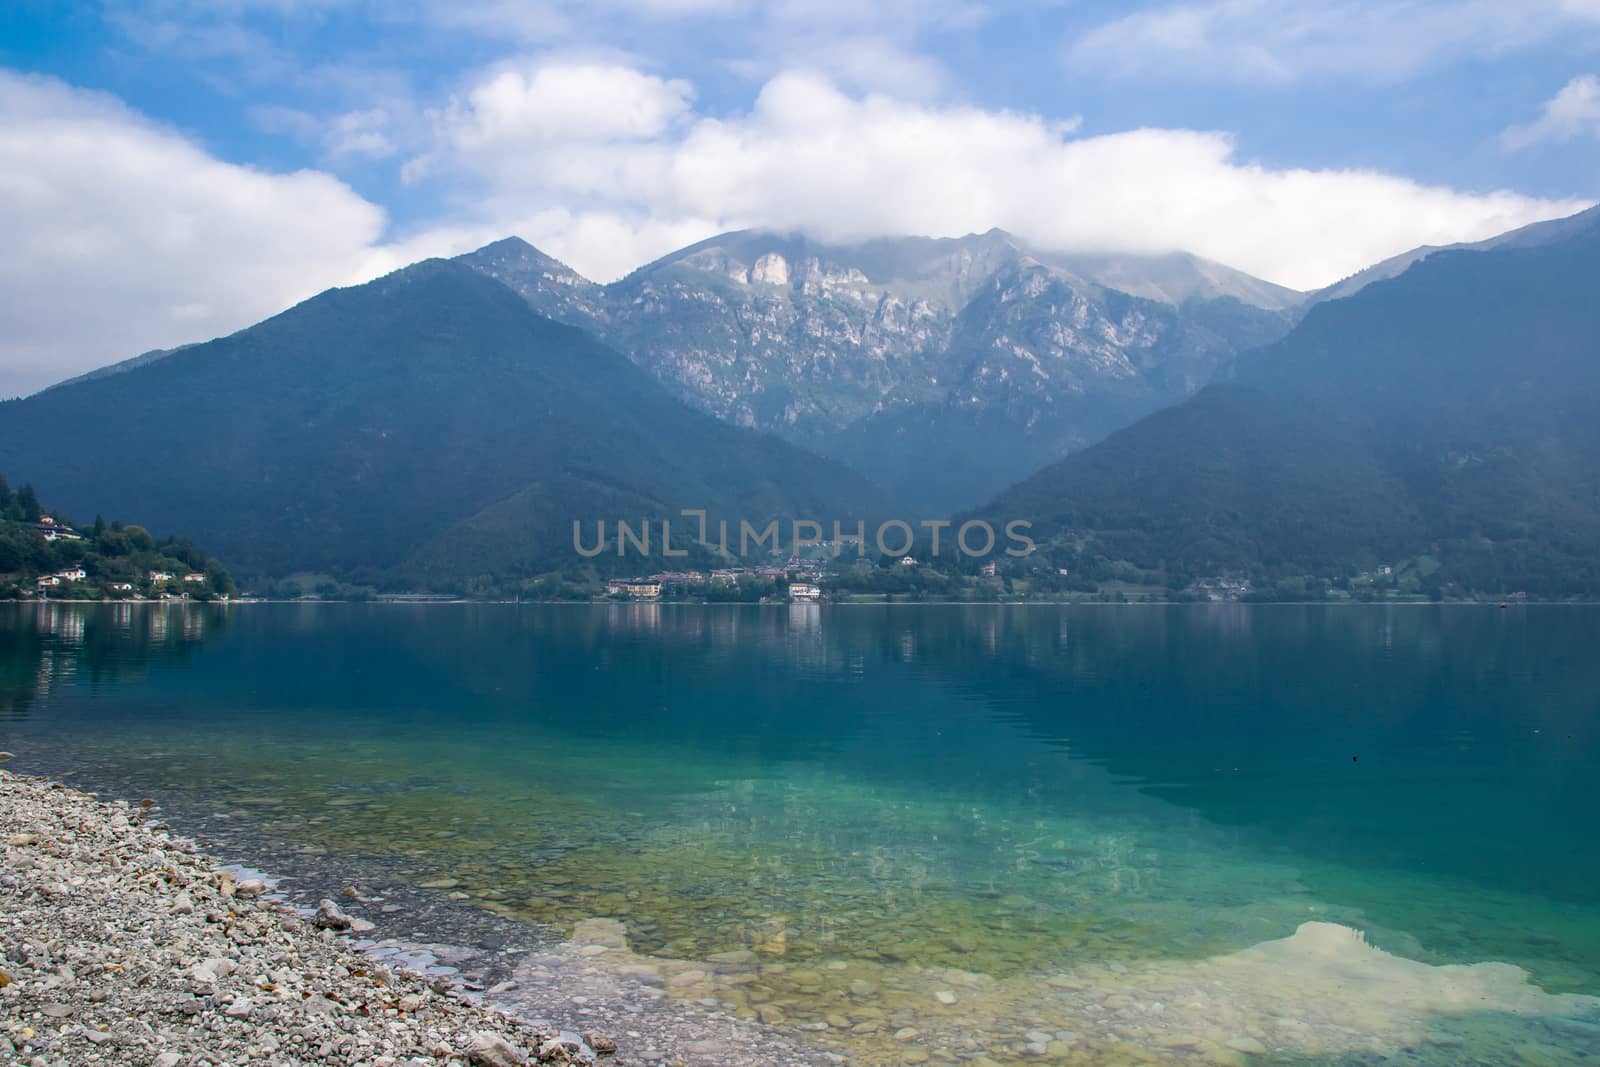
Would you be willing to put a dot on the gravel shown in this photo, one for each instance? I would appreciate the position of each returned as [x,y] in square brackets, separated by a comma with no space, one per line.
[123,944]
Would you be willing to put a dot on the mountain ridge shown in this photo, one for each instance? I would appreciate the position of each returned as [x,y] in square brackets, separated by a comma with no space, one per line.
[846,348]
[373,432]
[1531,235]
[1441,417]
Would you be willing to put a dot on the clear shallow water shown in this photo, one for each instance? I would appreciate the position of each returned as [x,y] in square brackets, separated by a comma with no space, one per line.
[1058,816]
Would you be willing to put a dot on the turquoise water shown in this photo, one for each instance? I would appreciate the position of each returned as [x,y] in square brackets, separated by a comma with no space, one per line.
[1050,814]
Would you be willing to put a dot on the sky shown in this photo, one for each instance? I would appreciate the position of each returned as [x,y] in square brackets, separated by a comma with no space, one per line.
[174,170]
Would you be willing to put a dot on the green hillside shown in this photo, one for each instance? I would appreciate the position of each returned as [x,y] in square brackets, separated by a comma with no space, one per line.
[1441,422]
[421,430]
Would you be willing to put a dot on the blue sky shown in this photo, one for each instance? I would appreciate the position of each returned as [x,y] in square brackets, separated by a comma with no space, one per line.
[195,166]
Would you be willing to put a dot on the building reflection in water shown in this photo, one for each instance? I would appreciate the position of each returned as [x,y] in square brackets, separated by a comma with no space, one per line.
[64,622]
[805,618]
[645,618]
[45,645]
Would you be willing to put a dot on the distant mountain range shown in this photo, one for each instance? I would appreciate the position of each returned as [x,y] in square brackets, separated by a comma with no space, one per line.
[938,368]
[1444,416]
[427,427]
[445,424]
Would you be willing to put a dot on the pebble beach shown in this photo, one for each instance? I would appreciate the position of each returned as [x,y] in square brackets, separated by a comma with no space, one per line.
[122,943]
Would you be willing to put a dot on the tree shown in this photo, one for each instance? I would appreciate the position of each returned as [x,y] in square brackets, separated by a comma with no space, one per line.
[13,550]
[28,504]
[220,582]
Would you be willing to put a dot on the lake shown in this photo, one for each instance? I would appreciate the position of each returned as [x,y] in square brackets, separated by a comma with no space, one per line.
[983,834]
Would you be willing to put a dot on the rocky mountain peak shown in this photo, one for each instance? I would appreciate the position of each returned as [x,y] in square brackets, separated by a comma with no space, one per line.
[822,341]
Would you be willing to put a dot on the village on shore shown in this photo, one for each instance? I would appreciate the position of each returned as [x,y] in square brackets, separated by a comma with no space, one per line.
[75,581]
[44,556]
[803,580]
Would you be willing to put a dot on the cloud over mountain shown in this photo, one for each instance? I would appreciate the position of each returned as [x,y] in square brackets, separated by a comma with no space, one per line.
[607,164]
[809,156]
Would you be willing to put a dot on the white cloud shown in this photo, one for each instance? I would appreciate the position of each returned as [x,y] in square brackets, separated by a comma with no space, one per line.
[1573,112]
[867,62]
[869,45]
[1281,41]
[124,236]
[545,21]
[365,132]
[586,101]
[863,44]
[809,156]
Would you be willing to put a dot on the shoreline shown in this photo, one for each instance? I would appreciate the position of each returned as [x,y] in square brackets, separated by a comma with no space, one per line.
[604,602]
[472,971]
[121,942]
[138,915]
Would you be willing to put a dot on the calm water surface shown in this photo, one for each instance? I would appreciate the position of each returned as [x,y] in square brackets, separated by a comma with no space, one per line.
[1094,825]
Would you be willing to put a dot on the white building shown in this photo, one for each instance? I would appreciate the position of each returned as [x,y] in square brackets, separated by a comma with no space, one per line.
[804,591]
[634,588]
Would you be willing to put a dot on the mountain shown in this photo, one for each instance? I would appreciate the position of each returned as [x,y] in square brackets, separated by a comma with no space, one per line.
[1444,416]
[1176,278]
[550,287]
[1530,236]
[938,367]
[427,427]
[121,366]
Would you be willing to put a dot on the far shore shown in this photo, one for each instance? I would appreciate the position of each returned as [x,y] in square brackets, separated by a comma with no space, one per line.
[410,601]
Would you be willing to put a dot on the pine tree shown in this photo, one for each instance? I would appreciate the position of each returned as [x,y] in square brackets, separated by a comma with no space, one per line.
[28,503]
